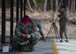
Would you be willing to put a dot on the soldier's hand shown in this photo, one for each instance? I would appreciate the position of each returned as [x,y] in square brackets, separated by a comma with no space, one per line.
[23,35]
[26,36]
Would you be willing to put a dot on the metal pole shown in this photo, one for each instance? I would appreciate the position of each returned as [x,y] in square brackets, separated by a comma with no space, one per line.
[20,9]
[3,21]
[11,19]
[24,7]
[17,10]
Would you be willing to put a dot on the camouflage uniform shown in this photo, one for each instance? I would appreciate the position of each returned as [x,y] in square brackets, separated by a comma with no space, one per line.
[63,21]
[31,29]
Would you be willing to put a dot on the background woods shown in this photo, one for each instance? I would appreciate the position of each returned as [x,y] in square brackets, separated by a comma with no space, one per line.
[44,5]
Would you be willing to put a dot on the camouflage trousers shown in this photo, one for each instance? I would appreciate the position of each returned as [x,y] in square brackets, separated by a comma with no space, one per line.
[16,43]
[63,32]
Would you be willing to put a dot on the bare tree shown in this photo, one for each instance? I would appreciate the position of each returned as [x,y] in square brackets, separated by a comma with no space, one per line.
[40,8]
[0,3]
[28,2]
[45,5]
[74,5]
[69,5]
[56,5]
[35,4]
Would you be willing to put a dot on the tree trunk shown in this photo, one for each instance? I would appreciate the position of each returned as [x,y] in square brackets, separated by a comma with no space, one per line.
[71,6]
[56,4]
[40,8]
[45,5]
[0,3]
[51,5]
[28,2]
[35,4]
[74,6]
[60,3]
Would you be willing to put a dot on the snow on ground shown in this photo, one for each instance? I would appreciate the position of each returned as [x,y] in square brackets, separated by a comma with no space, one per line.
[66,48]
[45,47]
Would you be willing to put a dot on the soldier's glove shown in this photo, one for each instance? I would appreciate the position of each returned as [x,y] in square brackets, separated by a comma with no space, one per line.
[26,36]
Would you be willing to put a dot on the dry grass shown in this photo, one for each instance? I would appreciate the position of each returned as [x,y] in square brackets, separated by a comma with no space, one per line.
[44,18]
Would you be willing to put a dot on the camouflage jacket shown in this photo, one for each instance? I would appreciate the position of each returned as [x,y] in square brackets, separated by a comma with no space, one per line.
[31,29]
[63,19]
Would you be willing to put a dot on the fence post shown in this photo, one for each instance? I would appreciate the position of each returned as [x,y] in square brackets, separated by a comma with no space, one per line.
[11,19]
[20,9]
[17,10]
[3,21]
[24,7]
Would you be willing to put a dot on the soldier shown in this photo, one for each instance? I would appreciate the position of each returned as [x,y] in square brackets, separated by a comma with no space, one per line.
[63,21]
[26,29]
